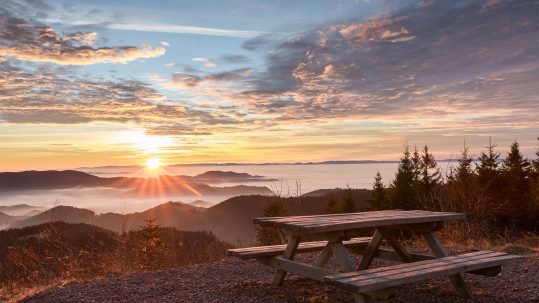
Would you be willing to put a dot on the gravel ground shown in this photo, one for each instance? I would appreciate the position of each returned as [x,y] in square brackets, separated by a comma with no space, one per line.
[247,281]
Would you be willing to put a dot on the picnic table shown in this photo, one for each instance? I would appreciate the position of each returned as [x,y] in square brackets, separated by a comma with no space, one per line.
[334,235]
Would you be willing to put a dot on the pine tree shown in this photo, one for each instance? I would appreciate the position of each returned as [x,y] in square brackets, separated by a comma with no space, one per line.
[269,235]
[348,204]
[150,245]
[332,206]
[403,195]
[487,168]
[517,175]
[464,172]
[379,197]
[416,162]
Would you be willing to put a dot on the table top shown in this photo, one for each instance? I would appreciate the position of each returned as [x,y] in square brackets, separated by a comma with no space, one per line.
[350,221]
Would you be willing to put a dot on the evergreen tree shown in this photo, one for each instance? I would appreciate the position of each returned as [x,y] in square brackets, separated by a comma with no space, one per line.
[403,195]
[517,176]
[379,197]
[416,162]
[269,235]
[348,203]
[487,168]
[150,245]
[332,206]
[464,172]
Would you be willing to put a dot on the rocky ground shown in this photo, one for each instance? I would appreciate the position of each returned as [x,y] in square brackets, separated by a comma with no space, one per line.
[247,281]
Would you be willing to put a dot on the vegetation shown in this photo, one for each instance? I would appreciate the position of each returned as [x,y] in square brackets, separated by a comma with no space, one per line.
[500,195]
[58,253]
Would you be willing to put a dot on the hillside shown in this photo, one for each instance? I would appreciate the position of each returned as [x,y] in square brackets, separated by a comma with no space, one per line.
[58,252]
[230,220]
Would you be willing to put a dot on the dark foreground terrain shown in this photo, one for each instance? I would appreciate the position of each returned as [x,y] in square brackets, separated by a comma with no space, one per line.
[241,281]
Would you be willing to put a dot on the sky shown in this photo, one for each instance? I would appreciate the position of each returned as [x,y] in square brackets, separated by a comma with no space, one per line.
[94,83]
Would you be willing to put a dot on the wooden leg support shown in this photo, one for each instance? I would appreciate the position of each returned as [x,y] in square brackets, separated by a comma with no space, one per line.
[289,253]
[370,251]
[440,252]
[341,254]
[401,251]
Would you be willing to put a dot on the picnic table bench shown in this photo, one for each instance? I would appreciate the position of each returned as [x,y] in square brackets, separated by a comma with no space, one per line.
[334,235]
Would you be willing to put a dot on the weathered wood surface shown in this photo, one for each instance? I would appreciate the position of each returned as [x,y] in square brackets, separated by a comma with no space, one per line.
[439,251]
[276,250]
[290,251]
[383,277]
[350,221]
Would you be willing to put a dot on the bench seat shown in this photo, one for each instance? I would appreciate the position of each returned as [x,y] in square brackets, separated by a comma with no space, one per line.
[384,277]
[276,250]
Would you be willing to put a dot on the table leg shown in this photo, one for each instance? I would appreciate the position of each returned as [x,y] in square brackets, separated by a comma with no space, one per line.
[440,252]
[289,253]
[397,245]
[341,254]
[370,251]
[324,256]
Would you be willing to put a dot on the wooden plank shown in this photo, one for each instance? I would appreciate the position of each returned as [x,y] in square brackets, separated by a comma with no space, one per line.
[302,269]
[342,256]
[397,245]
[439,251]
[344,260]
[320,219]
[291,247]
[324,256]
[427,263]
[389,254]
[370,251]
[369,281]
[350,217]
[387,271]
[275,250]
[358,223]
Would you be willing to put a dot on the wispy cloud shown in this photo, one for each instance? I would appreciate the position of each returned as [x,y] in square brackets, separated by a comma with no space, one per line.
[167,28]
[30,40]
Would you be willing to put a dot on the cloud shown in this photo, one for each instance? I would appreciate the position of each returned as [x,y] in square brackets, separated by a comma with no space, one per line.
[59,96]
[434,59]
[234,59]
[207,62]
[170,28]
[29,40]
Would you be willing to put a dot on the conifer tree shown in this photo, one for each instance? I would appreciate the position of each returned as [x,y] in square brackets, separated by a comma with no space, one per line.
[348,203]
[332,206]
[269,235]
[379,196]
[464,172]
[416,162]
[517,176]
[403,195]
[487,168]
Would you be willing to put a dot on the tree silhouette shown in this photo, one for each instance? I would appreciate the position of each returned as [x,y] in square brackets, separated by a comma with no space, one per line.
[379,195]
[403,195]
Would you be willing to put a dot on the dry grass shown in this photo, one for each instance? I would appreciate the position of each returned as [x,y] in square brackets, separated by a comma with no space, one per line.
[479,235]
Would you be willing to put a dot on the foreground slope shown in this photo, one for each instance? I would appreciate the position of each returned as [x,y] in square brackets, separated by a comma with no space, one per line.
[248,281]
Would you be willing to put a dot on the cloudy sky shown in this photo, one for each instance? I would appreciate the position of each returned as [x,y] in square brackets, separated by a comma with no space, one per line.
[89,83]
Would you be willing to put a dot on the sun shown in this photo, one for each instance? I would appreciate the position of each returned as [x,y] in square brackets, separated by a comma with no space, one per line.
[153,164]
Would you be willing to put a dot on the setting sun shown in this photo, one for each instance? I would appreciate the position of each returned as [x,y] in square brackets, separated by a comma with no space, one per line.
[153,164]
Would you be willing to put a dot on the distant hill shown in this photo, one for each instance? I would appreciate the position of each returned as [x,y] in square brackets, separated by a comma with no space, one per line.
[49,179]
[201,203]
[141,187]
[20,210]
[230,220]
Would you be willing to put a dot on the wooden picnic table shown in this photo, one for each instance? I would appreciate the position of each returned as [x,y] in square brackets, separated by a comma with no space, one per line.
[336,232]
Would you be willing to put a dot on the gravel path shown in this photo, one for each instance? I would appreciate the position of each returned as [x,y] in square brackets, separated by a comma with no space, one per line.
[247,281]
